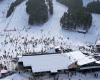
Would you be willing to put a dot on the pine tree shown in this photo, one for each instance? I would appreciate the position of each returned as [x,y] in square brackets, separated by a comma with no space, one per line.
[38,11]
[94,7]
[12,7]
[76,17]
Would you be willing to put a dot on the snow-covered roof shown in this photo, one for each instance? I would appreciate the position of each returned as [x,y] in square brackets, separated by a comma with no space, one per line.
[80,58]
[55,62]
[3,71]
[42,63]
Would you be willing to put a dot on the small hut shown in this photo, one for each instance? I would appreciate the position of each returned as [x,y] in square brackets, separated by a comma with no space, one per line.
[3,72]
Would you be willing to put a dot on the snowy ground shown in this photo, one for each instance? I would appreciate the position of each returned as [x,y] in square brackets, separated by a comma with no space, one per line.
[17,37]
[15,77]
[16,27]
[67,76]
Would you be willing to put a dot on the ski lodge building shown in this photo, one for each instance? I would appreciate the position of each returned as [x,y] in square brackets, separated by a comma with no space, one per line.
[53,63]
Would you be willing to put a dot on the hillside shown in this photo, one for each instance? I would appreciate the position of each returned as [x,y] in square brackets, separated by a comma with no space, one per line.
[17,37]
[17,25]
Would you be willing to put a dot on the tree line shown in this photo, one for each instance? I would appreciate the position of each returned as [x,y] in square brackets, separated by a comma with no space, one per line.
[39,11]
[78,16]
[13,6]
[94,7]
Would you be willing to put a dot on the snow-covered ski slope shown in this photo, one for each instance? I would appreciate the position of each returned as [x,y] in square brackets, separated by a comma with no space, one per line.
[16,26]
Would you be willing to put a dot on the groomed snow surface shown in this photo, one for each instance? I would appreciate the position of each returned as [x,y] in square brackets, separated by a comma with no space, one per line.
[16,26]
[15,33]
